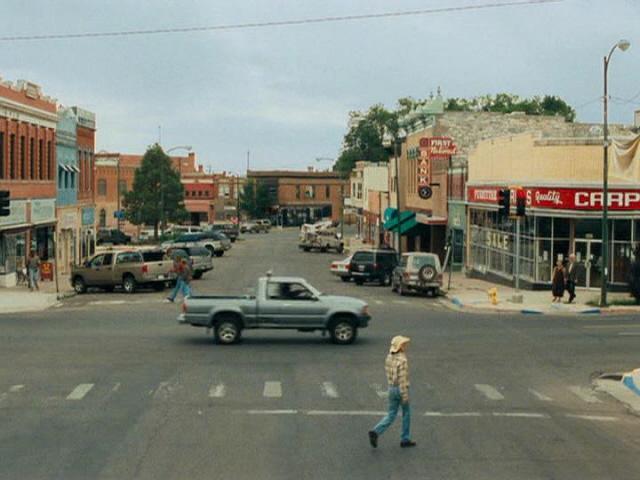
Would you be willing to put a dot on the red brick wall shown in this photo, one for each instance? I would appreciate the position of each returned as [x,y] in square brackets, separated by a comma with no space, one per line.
[86,162]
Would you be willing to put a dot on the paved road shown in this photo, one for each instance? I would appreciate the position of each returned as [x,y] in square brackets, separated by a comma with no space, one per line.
[108,386]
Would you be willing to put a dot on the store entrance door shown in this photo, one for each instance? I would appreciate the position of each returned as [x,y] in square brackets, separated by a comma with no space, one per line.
[589,257]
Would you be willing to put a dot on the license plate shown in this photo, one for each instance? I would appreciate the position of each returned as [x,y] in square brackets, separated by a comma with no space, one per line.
[361,268]
[160,277]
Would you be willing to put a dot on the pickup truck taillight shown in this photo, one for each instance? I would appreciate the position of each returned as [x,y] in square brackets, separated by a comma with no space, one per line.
[145,268]
[348,267]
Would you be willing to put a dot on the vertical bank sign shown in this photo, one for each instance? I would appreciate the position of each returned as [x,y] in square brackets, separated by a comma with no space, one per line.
[432,148]
[585,199]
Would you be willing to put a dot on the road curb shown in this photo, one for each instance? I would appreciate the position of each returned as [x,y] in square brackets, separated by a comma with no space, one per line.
[455,303]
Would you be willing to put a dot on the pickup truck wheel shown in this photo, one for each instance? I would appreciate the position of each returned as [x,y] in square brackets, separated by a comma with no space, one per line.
[227,331]
[359,282]
[197,274]
[343,331]
[306,249]
[345,279]
[219,254]
[79,285]
[129,284]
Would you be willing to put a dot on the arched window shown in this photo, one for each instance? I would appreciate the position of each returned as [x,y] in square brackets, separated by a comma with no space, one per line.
[103,218]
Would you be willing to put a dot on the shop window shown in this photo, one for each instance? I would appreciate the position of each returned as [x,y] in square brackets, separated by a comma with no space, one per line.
[12,156]
[561,227]
[102,187]
[298,192]
[60,178]
[23,158]
[103,218]
[310,191]
[72,180]
[588,228]
[40,158]
[32,158]
[622,230]
[544,226]
[327,192]
[122,187]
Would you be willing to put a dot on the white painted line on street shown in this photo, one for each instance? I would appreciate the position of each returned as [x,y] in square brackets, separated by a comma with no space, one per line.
[400,302]
[540,396]
[272,412]
[629,334]
[108,302]
[272,389]
[16,388]
[520,415]
[378,302]
[381,391]
[597,418]
[346,412]
[452,414]
[217,391]
[585,394]
[489,392]
[619,325]
[80,391]
[116,387]
[329,390]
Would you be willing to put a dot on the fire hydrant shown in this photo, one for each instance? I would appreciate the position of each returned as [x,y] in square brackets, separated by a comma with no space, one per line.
[493,295]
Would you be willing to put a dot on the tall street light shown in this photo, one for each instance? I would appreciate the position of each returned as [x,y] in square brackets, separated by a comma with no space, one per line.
[623,45]
[188,148]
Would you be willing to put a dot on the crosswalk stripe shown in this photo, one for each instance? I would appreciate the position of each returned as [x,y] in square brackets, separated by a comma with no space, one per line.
[16,388]
[272,389]
[381,391]
[80,391]
[217,391]
[584,394]
[489,392]
[329,390]
[540,396]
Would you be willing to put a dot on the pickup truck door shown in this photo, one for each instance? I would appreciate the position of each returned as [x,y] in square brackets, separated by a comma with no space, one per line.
[291,304]
[100,270]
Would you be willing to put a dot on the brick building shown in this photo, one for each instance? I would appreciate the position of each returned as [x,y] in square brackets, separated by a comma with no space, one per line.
[114,175]
[28,121]
[303,196]
[86,146]
[211,197]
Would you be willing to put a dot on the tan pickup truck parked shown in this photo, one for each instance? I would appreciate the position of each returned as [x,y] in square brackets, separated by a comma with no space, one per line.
[129,269]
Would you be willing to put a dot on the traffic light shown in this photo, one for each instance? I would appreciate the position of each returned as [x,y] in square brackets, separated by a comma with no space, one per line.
[5,202]
[521,202]
[504,202]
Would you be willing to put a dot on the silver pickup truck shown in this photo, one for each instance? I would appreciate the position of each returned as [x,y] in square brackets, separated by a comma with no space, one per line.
[279,303]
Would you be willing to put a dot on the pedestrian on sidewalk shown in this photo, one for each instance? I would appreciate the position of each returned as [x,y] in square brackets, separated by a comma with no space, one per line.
[572,277]
[397,369]
[558,281]
[33,267]
[184,275]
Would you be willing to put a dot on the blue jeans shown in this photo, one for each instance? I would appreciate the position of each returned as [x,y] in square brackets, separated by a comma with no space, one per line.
[395,401]
[33,278]
[181,286]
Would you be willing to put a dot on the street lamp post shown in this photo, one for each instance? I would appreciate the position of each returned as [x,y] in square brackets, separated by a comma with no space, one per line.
[162,219]
[623,45]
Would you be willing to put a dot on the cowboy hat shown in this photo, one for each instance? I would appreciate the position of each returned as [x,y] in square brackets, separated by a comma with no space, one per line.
[397,342]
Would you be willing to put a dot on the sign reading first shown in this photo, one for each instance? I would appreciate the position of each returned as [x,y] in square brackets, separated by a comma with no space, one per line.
[432,148]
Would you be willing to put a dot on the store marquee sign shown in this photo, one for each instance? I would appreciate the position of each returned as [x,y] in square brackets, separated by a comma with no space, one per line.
[438,147]
[586,199]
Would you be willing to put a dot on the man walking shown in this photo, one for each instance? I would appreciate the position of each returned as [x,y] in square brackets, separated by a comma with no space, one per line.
[397,369]
[183,273]
[572,277]
[33,267]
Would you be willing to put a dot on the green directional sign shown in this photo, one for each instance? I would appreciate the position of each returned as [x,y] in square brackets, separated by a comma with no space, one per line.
[406,223]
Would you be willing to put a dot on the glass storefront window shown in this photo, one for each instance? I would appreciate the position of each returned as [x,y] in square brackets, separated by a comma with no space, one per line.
[622,258]
[544,227]
[622,230]
[588,228]
[561,227]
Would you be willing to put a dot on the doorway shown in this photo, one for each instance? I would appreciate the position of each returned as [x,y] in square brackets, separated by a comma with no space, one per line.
[589,257]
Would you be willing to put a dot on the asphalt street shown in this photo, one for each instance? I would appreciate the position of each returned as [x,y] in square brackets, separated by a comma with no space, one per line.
[109,386]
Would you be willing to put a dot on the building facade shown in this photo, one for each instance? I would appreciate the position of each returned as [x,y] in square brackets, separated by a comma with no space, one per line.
[211,197]
[86,147]
[303,196]
[562,178]
[369,199]
[28,121]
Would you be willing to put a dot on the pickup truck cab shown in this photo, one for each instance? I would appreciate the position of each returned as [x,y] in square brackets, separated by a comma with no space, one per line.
[126,268]
[279,303]
[209,240]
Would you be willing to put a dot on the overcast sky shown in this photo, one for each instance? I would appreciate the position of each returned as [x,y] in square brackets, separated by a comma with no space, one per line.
[284,93]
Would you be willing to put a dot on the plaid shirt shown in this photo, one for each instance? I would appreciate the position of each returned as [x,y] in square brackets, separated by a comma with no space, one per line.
[397,369]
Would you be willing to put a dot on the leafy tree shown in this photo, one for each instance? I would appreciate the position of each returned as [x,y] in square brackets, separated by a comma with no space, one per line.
[155,184]
[255,199]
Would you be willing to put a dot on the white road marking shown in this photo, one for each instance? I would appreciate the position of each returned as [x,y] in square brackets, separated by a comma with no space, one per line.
[378,302]
[329,390]
[629,334]
[108,302]
[585,394]
[16,388]
[520,415]
[452,414]
[597,418]
[346,412]
[272,412]
[381,391]
[116,387]
[217,391]
[489,392]
[80,391]
[272,389]
[611,325]
[400,302]
[540,396]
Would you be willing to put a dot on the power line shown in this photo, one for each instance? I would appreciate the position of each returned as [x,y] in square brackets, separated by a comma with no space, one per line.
[278,23]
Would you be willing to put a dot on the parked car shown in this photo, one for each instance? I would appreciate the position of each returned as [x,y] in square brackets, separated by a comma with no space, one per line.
[129,269]
[250,227]
[177,230]
[265,223]
[418,272]
[279,303]
[374,265]
[199,258]
[340,268]
[229,229]
[323,240]
[221,237]
[113,237]
[214,245]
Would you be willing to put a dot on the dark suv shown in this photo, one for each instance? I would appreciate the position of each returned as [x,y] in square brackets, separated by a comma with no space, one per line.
[375,265]
[114,237]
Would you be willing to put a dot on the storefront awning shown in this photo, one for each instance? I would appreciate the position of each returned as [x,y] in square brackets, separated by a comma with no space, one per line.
[405,223]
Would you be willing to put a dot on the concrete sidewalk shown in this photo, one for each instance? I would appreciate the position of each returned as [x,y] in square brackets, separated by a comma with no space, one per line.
[21,299]
[471,294]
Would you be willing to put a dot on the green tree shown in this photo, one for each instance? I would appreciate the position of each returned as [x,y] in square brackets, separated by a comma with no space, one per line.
[157,194]
[255,199]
